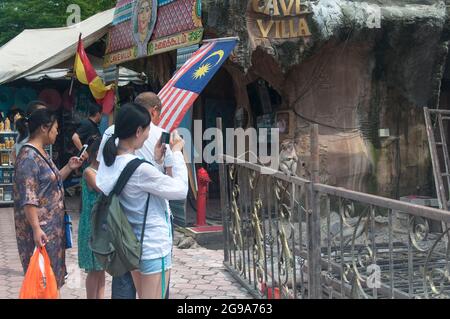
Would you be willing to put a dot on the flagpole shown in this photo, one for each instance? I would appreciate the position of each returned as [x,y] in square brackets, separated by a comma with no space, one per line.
[220,39]
[73,73]
[71,84]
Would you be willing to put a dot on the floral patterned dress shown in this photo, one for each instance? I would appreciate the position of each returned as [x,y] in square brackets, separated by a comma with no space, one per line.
[39,185]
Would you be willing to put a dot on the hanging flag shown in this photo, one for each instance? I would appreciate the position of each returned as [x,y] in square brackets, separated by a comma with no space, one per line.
[180,93]
[86,74]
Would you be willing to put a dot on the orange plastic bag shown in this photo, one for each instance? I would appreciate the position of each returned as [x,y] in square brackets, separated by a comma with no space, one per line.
[40,281]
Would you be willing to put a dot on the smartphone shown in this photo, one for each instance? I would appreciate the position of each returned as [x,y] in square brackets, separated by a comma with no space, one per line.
[165,138]
[83,150]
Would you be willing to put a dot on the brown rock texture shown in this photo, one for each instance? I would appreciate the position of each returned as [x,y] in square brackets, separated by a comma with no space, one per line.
[354,75]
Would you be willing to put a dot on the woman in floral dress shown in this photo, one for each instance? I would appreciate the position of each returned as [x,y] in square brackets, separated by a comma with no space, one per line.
[39,195]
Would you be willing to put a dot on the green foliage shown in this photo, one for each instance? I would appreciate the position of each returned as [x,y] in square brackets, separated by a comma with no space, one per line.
[17,15]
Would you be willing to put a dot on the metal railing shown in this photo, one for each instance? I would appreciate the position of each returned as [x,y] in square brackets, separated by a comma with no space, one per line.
[287,237]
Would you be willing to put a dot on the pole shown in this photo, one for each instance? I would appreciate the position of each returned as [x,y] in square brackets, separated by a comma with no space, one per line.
[220,39]
[223,180]
[314,243]
[74,66]
[71,84]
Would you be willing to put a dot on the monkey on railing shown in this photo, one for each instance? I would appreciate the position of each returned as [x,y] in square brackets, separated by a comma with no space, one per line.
[288,158]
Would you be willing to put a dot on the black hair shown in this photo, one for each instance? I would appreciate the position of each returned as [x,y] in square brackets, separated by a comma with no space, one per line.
[22,128]
[94,109]
[130,117]
[22,123]
[94,144]
[34,106]
[13,112]
[41,117]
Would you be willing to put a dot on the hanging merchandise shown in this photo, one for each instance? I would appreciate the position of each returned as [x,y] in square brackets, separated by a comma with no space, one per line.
[6,98]
[52,98]
[24,96]
[83,99]
[7,125]
[68,101]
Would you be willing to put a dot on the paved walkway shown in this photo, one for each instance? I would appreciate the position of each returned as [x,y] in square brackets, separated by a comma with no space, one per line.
[197,273]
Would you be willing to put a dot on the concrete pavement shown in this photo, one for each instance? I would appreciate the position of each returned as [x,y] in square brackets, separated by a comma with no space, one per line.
[197,273]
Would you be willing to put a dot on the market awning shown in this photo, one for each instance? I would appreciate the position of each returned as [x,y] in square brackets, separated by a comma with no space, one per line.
[63,71]
[125,76]
[36,50]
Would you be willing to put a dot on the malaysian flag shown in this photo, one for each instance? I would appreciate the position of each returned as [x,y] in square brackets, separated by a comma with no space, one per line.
[180,93]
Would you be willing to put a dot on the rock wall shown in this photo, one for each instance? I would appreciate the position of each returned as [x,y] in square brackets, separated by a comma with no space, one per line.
[354,76]
[332,88]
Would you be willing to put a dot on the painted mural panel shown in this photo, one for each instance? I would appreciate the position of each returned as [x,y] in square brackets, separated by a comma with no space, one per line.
[148,27]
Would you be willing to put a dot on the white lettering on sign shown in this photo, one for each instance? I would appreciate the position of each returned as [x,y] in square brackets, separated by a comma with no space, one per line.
[75,14]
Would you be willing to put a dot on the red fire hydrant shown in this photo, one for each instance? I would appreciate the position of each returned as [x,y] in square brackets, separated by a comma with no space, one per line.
[203,180]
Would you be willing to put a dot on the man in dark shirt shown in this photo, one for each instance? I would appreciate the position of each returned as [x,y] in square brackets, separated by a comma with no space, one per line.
[88,127]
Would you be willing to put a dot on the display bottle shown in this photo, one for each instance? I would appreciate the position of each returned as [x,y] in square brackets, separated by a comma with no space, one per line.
[5,158]
[7,125]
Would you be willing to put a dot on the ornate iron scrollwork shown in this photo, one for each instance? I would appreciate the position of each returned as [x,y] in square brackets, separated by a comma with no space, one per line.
[438,279]
[419,230]
[235,225]
[359,245]
[258,245]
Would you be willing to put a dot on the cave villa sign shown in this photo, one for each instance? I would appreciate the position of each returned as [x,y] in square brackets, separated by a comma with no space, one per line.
[278,19]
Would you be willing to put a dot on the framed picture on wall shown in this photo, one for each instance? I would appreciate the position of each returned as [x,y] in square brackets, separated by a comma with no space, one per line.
[285,121]
[264,121]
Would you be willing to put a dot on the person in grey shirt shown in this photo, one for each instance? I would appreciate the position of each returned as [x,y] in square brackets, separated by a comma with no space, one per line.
[22,128]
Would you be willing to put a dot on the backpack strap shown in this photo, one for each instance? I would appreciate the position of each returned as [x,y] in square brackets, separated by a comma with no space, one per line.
[145,222]
[127,172]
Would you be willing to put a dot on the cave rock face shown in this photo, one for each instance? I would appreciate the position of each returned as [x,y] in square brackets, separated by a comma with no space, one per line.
[293,30]
[353,66]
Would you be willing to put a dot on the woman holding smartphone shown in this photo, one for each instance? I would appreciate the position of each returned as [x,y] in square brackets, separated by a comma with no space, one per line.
[39,195]
[147,185]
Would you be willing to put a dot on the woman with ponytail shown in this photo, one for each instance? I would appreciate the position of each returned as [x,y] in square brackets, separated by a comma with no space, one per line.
[132,128]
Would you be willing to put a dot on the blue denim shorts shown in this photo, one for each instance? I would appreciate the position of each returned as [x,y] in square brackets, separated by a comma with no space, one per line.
[154,266]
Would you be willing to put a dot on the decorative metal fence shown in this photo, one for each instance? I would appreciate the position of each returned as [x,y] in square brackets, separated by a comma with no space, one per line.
[287,237]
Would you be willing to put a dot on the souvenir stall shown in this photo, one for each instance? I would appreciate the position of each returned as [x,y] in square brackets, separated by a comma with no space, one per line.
[48,76]
[69,101]
[157,37]
[7,142]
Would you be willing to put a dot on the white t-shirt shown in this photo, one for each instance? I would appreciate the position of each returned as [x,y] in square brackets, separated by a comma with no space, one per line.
[147,180]
[147,150]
